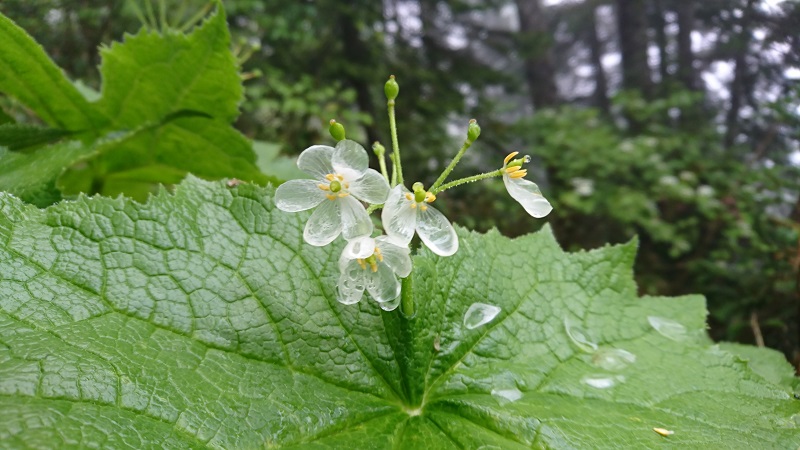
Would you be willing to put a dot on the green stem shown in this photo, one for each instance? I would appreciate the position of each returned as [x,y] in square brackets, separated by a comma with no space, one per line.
[407,297]
[395,145]
[382,163]
[483,176]
[151,17]
[449,168]
[394,169]
[197,17]
[374,207]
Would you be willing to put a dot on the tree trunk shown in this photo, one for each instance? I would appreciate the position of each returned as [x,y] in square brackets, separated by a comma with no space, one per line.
[596,55]
[632,25]
[686,72]
[535,47]
[737,90]
[661,40]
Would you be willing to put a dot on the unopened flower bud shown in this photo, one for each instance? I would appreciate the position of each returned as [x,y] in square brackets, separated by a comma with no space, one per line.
[391,88]
[336,130]
[378,149]
[473,131]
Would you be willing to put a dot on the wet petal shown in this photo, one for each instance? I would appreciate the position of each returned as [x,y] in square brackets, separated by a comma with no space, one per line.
[350,159]
[355,220]
[436,232]
[360,247]
[396,257]
[316,161]
[382,285]
[371,187]
[352,282]
[391,305]
[298,195]
[324,225]
[398,217]
[528,195]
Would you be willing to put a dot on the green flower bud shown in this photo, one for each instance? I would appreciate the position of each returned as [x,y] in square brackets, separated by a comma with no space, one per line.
[419,192]
[336,130]
[391,88]
[378,149]
[473,131]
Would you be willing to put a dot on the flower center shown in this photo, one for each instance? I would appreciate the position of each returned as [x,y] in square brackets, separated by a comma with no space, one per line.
[420,196]
[336,186]
[514,168]
[372,260]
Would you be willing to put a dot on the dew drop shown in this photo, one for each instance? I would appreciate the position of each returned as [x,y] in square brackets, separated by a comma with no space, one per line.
[614,359]
[602,381]
[391,305]
[505,396]
[480,314]
[579,337]
[668,328]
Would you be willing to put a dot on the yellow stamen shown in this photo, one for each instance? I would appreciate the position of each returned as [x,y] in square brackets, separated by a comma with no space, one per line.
[413,205]
[341,178]
[519,173]
[409,196]
[347,185]
[508,158]
[329,177]
[324,187]
[361,263]
[429,197]
[423,207]
[374,266]
[512,169]
[378,254]
[343,194]
[330,196]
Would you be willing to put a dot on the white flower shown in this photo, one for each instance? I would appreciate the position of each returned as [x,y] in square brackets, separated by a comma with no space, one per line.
[525,192]
[374,265]
[340,174]
[405,212]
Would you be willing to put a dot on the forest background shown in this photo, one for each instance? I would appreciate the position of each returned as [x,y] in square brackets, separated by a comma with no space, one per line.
[677,121]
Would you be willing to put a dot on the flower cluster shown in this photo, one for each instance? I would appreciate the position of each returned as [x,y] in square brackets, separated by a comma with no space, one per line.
[341,183]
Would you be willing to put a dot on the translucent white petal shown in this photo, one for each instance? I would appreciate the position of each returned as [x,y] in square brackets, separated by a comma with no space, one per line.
[396,257]
[298,195]
[436,232]
[360,247]
[352,281]
[355,220]
[391,305]
[324,225]
[350,159]
[316,161]
[528,195]
[382,285]
[398,217]
[371,187]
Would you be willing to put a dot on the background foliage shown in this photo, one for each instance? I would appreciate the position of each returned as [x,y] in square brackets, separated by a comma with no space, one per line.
[673,120]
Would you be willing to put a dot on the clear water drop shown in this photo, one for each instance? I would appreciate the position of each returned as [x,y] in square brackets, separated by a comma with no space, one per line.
[614,359]
[668,328]
[390,305]
[602,381]
[578,337]
[480,314]
[505,396]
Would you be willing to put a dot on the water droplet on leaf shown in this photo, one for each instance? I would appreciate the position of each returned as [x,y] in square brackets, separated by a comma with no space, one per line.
[668,328]
[614,359]
[505,396]
[578,336]
[480,314]
[602,381]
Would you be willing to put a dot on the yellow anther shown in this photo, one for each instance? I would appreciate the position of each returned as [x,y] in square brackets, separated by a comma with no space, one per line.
[429,197]
[512,169]
[378,254]
[409,196]
[413,205]
[508,158]
[361,263]
[324,187]
[374,266]
[343,194]
[341,178]
[423,207]
[330,196]
[519,173]
[347,185]
[329,177]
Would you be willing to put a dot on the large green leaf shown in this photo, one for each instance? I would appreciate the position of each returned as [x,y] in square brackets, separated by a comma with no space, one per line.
[201,318]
